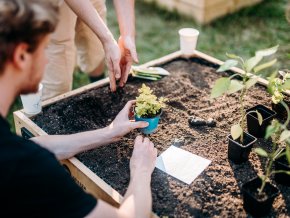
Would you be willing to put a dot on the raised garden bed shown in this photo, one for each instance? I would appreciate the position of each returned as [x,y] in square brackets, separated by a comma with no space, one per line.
[216,192]
[204,11]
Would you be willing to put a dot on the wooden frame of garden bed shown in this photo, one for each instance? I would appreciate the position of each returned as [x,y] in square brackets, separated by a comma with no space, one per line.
[204,11]
[88,180]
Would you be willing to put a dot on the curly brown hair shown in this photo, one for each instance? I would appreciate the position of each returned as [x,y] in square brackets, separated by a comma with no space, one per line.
[25,21]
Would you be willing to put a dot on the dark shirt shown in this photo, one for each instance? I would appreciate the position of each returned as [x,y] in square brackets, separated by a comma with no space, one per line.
[34,184]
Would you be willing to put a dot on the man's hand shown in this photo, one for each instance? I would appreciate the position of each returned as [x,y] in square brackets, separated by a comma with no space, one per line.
[113,58]
[122,124]
[143,158]
[128,56]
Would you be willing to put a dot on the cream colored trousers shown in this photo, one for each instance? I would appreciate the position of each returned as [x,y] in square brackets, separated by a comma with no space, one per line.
[72,41]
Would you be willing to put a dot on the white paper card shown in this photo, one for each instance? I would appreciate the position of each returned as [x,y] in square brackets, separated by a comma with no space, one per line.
[181,164]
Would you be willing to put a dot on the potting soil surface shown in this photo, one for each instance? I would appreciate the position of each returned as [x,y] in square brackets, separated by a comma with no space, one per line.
[217,191]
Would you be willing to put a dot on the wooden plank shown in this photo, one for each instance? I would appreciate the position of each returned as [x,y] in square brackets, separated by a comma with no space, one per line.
[163,59]
[239,4]
[21,120]
[202,4]
[204,11]
[213,12]
[91,183]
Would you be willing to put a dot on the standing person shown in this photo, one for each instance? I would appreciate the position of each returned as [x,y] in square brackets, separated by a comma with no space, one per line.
[33,183]
[82,23]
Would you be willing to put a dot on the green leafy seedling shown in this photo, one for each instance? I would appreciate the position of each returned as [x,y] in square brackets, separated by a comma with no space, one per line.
[147,104]
[280,136]
[252,69]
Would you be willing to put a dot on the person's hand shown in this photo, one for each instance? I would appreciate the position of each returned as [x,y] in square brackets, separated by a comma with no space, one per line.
[143,158]
[122,124]
[113,58]
[128,56]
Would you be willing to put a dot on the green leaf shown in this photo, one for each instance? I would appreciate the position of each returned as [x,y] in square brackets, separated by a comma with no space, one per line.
[220,87]
[273,75]
[260,118]
[284,135]
[252,62]
[227,65]
[265,65]
[286,85]
[160,71]
[148,75]
[288,153]
[251,82]
[236,131]
[144,70]
[267,52]
[232,56]
[270,130]
[261,152]
[235,86]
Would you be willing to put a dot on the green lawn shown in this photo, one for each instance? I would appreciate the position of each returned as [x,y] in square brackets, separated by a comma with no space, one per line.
[250,29]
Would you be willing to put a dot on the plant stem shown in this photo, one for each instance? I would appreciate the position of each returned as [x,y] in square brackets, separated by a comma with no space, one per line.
[268,167]
[241,101]
[279,171]
[267,175]
[288,113]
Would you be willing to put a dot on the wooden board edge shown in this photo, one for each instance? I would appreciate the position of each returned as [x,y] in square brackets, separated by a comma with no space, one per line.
[91,183]
[163,59]
[21,120]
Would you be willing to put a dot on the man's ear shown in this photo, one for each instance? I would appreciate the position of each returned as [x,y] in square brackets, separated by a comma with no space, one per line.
[21,57]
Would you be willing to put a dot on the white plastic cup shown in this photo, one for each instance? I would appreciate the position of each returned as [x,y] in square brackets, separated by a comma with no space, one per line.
[188,40]
[32,102]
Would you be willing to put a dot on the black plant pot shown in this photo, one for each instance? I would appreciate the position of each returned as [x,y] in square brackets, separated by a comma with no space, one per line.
[238,152]
[282,164]
[280,110]
[253,203]
[254,128]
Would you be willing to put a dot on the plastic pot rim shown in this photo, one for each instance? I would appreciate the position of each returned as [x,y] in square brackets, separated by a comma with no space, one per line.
[229,137]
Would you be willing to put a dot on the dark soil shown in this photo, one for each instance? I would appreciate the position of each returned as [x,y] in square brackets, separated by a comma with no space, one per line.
[217,191]
[268,191]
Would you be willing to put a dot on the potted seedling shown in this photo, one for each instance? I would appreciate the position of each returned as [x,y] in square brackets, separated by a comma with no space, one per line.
[282,160]
[259,193]
[282,164]
[240,142]
[277,86]
[148,108]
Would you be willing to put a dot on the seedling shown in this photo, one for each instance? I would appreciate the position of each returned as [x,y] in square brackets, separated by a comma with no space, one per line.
[277,131]
[278,85]
[148,108]
[148,105]
[228,85]
[280,136]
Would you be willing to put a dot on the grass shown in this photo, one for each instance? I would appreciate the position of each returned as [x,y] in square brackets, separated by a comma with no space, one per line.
[243,33]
